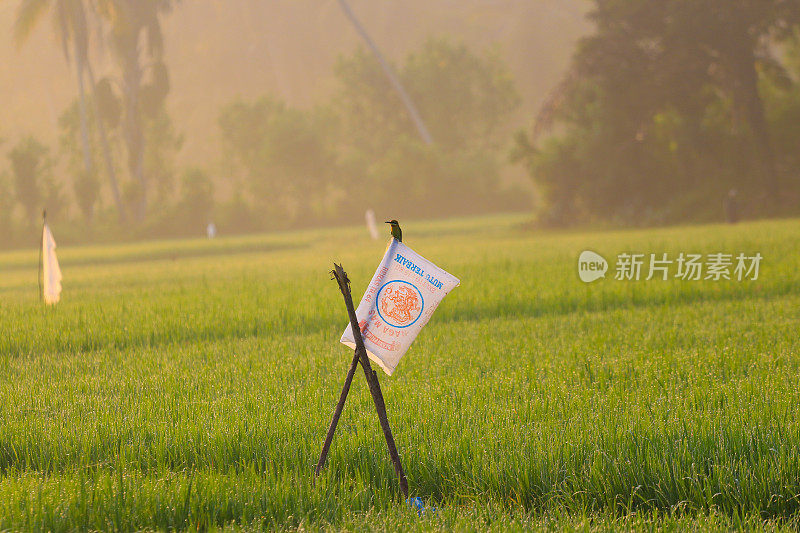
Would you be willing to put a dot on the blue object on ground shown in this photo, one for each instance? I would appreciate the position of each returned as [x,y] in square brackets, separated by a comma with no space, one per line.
[419,505]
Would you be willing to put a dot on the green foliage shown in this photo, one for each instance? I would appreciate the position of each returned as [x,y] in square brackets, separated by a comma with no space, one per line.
[108,103]
[286,156]
[236,214]
[332,163]
[783,107]
[196,205]
[7,203]
[663,113]
[163,143]
[154,94]
[34,185]
[85,185]
[464,99]
[138,44]
[189,384]
[286,167]
[86,188]
[425,175]
[372,110]
[69,24]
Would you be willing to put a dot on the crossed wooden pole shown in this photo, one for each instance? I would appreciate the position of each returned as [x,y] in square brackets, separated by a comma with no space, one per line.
[360,355]
[41,249]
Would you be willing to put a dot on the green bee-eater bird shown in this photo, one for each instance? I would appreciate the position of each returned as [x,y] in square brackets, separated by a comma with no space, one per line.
[397,233]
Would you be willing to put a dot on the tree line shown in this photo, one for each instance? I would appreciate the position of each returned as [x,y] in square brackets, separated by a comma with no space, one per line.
[114,173]
[669,107]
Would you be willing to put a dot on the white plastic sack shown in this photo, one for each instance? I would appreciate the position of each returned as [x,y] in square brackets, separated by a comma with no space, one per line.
[372,225]
[401,298]
[51,273]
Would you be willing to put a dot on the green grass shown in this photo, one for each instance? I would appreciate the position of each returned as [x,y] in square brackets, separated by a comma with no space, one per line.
[189,384]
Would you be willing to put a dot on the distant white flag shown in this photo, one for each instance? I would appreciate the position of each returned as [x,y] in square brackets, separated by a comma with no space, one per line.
[400,299]
[51,273]
[371,224]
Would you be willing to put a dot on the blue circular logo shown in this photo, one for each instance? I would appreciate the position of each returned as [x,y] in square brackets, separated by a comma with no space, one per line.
[399,303]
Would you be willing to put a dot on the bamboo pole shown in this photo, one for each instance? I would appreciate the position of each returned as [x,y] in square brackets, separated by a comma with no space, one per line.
[41,247]
[337,413]
[372,380]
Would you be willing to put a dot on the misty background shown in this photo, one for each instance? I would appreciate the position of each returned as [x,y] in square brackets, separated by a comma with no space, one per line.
[273,115]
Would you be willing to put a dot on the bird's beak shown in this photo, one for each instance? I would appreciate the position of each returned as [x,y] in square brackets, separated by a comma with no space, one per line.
[388,222]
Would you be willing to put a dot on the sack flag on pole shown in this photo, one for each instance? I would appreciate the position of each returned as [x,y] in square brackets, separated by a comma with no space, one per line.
[399,301]
[51,273]
[372,226]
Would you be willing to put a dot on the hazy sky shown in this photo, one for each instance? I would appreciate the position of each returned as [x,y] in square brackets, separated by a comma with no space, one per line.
[218,49]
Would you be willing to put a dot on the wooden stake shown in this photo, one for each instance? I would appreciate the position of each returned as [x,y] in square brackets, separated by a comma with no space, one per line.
[372,380]
[337,413]
[41,246]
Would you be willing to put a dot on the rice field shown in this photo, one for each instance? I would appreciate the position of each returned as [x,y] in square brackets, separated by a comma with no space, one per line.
[189,384]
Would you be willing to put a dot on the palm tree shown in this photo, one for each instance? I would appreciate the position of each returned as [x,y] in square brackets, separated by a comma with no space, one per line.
[70,25]
[130,21]
[106,149]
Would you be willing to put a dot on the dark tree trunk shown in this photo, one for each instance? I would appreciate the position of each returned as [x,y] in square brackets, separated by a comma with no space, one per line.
[749,101]
[87,155]
[109,162]
[134,137]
